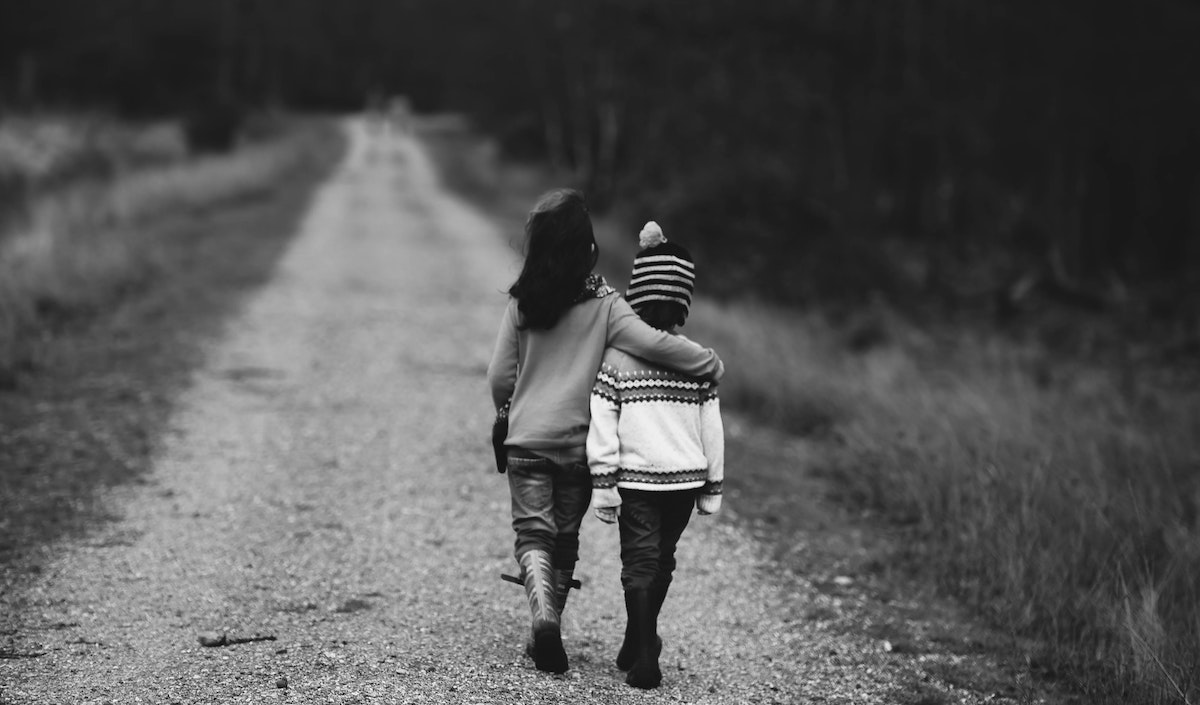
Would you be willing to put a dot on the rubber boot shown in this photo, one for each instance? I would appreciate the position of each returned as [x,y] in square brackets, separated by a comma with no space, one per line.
[628,653]
[658,595]
[645,672]
[564,580]
[548,653]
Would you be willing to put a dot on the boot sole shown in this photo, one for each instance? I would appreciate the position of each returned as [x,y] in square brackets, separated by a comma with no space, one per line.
[548,653]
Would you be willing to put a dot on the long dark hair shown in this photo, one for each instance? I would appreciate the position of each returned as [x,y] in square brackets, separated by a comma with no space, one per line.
[560,253]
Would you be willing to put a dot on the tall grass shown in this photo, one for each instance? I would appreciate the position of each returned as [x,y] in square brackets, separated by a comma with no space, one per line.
[42,152]
[1061,499]
[83,247]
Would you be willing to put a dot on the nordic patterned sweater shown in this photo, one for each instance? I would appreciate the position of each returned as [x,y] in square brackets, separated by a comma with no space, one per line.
[654,429]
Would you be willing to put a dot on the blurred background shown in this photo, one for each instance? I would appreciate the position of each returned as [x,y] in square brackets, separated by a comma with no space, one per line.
[965,155]
[954,243]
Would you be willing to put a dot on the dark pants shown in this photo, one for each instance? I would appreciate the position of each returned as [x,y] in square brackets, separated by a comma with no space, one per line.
[651,524]
[549,501]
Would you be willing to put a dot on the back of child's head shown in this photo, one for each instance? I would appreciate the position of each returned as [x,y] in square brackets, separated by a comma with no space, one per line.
[560,253]
[663,279]
[663,315]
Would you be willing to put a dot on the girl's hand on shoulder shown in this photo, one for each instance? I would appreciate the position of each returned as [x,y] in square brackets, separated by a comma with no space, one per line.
[608,515]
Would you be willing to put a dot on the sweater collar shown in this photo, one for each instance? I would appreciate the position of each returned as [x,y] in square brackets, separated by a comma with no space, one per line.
[594,287]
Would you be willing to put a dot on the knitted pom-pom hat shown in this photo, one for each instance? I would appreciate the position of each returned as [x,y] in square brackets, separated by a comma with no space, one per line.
[662,271]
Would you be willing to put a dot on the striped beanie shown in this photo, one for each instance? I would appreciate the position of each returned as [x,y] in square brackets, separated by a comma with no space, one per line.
[662,271]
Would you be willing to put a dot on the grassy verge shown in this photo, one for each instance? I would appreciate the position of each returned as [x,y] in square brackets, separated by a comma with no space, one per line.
[1058,498]
[78,249]
[106,301]
[45,152]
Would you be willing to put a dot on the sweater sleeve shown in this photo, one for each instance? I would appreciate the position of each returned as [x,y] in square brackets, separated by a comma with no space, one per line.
[603,444]
[628,332]
[502,370]
[712,434]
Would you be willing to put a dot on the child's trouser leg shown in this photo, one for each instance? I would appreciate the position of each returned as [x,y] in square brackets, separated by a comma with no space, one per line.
[531,489]
[640,524]
[572,495]
[676,511]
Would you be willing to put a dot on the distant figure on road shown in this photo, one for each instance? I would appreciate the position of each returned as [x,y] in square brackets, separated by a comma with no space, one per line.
[656,449]
[389,116]
[399,115]
[560,318]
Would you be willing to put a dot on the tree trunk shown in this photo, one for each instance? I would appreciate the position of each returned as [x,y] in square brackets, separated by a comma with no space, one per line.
[609,124]
[552,125]
[27,80]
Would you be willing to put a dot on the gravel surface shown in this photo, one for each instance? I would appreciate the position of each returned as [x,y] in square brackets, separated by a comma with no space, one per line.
[327,483]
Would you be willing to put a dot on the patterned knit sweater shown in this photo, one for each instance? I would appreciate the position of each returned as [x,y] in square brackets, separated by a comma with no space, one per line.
[654,429]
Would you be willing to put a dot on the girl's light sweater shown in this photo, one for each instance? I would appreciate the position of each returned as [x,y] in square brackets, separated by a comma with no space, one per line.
[558,367]
[653,429]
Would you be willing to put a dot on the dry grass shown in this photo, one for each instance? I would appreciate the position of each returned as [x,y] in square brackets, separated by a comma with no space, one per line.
[40,152]
[1060,498]
[81,246]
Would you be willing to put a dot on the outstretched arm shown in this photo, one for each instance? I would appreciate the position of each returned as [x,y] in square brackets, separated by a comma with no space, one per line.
[628,332]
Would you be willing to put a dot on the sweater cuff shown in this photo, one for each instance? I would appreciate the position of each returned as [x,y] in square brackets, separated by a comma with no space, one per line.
[607,497]
[708,503]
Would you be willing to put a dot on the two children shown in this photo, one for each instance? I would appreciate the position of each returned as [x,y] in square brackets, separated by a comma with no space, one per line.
[656,449]
[560,319]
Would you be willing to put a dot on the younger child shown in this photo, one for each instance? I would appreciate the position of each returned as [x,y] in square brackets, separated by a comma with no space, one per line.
[655,447]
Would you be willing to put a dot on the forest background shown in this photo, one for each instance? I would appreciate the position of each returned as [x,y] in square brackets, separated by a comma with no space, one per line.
[966,234]
[966,152]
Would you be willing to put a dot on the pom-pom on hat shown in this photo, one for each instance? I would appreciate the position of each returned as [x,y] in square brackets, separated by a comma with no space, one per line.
[662,271]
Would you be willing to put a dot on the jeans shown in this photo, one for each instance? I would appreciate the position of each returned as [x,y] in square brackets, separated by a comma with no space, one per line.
[651,524]
[549,501]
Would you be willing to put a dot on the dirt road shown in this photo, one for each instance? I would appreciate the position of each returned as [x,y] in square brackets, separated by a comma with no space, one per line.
[326,483]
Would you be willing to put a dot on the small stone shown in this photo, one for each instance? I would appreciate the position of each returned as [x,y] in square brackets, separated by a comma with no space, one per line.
[843,581]
[281,682]
[211,639]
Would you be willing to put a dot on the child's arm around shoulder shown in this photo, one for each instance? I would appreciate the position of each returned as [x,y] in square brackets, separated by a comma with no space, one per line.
[628,332]
[603,443]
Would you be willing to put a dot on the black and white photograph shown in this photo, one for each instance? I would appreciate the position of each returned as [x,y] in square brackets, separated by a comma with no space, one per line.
[729,352]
